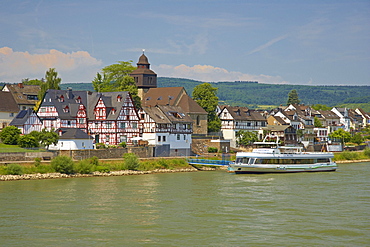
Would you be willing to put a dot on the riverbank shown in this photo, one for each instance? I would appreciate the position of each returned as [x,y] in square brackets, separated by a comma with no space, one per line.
[94,174]
[351,161]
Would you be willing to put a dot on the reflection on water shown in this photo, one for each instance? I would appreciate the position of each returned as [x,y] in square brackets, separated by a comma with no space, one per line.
[190,209]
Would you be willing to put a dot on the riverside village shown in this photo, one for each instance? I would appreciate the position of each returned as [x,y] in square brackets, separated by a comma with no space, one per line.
[159,122]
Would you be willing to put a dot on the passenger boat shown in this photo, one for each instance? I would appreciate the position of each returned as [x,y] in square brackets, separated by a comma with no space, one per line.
[270,157]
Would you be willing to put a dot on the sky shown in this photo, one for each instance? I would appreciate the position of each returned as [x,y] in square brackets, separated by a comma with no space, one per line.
[316,42]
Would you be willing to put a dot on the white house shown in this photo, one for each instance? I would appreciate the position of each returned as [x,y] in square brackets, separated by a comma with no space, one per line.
[235,118]
[72,139]
[168,128]
[27,121]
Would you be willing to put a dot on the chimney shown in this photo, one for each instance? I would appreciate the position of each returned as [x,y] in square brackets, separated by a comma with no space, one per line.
[20,85]
[60,132]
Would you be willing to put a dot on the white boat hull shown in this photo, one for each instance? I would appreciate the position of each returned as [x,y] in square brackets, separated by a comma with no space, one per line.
[245,168]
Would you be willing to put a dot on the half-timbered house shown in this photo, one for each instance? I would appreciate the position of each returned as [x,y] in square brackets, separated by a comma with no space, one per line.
[62,109]
[27,121]
[234,118]
[109,117]
[168,128]
[112,117]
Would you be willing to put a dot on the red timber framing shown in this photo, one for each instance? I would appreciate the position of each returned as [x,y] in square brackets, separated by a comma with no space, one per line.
[81,120]
[121,125]
[109,117]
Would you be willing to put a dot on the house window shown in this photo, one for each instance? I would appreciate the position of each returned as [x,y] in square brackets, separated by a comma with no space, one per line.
[107,138]
[142,116]
[164,138]
[178,137]
[198,120]
[11,114]
[123,138]
[69,123]
[61,144]
[81,121]
[159,138]
[184,137]
[43,109]
[134,125]
[96,125]
[109,125]
[122,125]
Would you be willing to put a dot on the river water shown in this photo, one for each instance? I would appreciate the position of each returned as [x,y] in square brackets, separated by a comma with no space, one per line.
[212,208]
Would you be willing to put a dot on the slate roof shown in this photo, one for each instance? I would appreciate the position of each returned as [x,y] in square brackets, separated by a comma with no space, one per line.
[20,92]
[327,114]
[244,113]
[167,114]
[143,60]
[110,101]
[7,103]
[72,133]
[53,98]
[175,96]
[280,120]
[22,117]
[277,127]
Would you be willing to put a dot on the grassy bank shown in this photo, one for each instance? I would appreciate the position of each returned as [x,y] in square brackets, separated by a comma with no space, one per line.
[4,148]
[352,155]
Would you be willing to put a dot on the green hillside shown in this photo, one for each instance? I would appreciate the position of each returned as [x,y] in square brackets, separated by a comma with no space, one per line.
[254,94]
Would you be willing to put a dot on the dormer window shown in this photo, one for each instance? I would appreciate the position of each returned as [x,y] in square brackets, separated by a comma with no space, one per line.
[66,109]
[78,100]
[119,98]
[113,111]
[61,98]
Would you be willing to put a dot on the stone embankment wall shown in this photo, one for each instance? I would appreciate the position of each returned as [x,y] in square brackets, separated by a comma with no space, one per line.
[114,153]
[111,153]
[10,157]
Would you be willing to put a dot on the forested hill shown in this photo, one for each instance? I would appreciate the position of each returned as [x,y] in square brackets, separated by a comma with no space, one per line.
[254,94]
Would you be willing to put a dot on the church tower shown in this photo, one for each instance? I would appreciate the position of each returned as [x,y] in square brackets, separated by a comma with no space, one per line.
[144,77]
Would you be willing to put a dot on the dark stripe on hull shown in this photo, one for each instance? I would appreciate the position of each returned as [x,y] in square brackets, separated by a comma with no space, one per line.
[282,171]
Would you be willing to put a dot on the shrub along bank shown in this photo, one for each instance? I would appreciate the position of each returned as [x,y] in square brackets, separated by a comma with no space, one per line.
[65,165]
[352,156]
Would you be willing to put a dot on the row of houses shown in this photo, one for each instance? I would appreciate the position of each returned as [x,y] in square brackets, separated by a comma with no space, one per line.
[293,124]
[167,119]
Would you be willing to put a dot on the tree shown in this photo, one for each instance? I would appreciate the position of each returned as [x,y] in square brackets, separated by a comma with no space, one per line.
[319,107]
[357,138]
[245,138]
[293,97]
[52,81]
[28,141]
[10,135]
[63,164]
[116,77]
[33,82]
[46,138]
[317,123]
[340,134]
[205,95]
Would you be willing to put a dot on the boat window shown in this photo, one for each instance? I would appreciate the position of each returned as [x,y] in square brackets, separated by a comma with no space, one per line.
[243,160]
[324,160]
[251,161]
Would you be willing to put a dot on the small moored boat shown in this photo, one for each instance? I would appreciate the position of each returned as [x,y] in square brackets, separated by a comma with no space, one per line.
[269,157]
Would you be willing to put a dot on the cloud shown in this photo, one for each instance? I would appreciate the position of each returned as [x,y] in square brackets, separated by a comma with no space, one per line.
[210,73]
[268,44]
[77,66]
